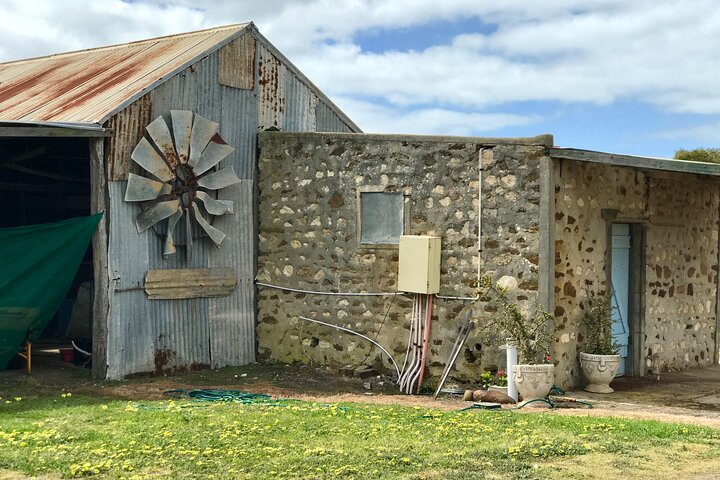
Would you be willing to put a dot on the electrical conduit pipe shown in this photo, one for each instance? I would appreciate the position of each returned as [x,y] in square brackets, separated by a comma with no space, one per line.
[426,340]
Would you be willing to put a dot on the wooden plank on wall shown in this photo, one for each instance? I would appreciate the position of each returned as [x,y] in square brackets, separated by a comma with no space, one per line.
[128,127]
[172,284]
[101,305]
[237,63]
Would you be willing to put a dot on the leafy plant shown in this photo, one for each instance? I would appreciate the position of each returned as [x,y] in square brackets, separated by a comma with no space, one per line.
[501,379]
[597,321]
[529,333]
[486,379]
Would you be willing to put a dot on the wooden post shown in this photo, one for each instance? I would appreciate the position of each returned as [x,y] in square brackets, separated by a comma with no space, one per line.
[101,307]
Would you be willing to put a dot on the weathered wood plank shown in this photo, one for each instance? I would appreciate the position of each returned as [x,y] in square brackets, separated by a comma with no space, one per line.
[173,284]
[101,302]
[236,66]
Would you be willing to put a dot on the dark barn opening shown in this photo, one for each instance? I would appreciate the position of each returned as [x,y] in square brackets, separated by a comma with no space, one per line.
[46,180]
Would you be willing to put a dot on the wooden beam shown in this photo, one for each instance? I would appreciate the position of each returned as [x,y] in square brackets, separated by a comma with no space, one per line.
[172,284]
[101,283]
[642,163]
[26,131]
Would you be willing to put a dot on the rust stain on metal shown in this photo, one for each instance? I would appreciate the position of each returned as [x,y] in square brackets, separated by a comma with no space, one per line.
[128,127]
[236,63]
[89,85]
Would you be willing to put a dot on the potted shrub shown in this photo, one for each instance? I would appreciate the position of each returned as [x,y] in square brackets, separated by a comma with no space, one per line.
[533,375]
[599,358]
[498,382]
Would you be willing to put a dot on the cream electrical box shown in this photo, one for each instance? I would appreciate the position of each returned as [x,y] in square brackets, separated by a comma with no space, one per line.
[419,270]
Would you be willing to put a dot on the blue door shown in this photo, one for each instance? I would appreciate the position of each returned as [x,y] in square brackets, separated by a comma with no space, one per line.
[621,288]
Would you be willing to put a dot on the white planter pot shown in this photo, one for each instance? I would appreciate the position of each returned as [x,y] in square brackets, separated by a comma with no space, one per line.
[533,381]
[599,371]
[496,388]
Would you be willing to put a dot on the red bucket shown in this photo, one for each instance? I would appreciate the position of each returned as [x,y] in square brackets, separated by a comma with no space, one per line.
[67,354]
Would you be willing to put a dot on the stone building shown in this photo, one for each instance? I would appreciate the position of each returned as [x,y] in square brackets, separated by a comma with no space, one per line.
[555,224]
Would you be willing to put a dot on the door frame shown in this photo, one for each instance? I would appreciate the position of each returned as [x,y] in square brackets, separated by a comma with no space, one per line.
[636,296]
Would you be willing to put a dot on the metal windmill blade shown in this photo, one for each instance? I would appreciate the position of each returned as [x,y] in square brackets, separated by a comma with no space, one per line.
[184,159]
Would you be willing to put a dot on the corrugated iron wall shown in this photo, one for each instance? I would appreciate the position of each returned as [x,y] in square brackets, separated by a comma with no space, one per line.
[167,335]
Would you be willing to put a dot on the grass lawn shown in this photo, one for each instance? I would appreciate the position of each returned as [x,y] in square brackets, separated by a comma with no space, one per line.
[65,436]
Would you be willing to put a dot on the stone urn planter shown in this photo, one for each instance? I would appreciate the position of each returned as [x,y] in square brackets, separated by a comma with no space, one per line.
[599,371]
[533,382]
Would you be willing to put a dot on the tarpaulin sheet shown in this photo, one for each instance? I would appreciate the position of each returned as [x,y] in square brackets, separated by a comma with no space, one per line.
[37,266]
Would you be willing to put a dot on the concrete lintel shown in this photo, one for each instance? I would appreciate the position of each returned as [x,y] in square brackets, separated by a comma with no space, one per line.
[545,140]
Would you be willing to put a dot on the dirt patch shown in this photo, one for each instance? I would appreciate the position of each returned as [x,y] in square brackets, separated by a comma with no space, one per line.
[649,400]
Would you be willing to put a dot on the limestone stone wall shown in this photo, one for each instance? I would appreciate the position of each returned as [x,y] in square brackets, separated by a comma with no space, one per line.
[679,217]
[308,240]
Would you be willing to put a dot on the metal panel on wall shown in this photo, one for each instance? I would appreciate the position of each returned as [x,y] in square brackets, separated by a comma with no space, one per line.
[300,104]
[232,318]
[130,340]
[327,120]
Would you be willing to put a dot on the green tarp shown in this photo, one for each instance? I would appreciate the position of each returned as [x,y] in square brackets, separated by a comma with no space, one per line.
[37,266]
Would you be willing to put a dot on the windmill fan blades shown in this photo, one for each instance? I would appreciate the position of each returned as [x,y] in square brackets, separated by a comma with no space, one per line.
[140,189]
[182,128]
[214,206]
[146,156]
[215,235]
[160,133]
[159,211]
[203,130]
[220,179]
[213,154]
[170,240]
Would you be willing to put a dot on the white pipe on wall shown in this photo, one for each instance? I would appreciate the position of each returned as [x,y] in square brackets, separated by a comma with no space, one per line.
[511,361]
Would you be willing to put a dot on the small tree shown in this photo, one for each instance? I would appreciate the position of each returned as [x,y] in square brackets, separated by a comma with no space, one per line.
[529,333]
[708,155]
[597,321]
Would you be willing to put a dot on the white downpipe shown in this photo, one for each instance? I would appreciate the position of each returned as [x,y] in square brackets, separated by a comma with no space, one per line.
[479,234]
[511,361]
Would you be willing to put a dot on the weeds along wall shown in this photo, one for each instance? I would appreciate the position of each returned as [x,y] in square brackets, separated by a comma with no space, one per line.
[309,239]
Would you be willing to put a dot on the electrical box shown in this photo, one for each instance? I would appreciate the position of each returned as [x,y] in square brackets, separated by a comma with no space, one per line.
[419,270]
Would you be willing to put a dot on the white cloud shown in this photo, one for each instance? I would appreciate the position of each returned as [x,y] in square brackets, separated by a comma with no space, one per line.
[708,132]
[593,51]
[437,121]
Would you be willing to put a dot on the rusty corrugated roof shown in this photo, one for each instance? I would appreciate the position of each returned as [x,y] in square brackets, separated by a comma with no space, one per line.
[90,86]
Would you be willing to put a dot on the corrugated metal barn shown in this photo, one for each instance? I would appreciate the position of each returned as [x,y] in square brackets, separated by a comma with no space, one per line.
[75,120]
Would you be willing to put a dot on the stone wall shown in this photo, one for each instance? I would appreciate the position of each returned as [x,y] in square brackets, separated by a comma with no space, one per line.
[308,240]
[679,217]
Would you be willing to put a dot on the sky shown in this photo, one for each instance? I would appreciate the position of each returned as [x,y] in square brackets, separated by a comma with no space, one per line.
[637,77]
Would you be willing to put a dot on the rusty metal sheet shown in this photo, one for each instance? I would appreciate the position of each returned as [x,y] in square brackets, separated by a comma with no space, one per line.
[146,156]
[160,134]
[215,235]
[90,86]
[182,127]
[236,65]
[142,189]
[220,179]
[128,127]
[271,91]
[174,284]
[214,206]
[203,130]
[155,213]
[213,154]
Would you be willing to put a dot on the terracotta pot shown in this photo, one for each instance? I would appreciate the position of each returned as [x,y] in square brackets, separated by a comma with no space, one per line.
[533,381]
[599,371]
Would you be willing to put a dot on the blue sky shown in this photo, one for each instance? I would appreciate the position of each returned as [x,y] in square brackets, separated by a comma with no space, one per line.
[636,77]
